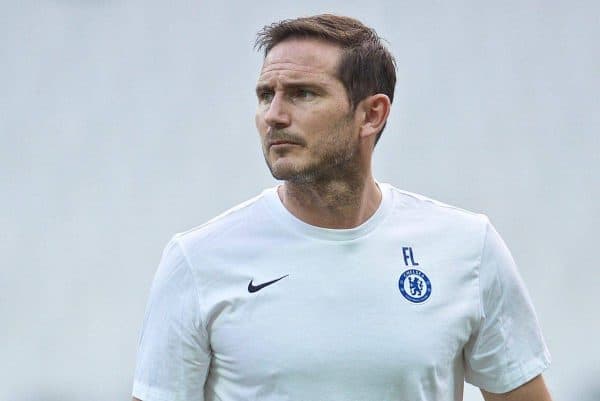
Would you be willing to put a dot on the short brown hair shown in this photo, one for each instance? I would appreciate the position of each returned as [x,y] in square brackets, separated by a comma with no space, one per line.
[366,67]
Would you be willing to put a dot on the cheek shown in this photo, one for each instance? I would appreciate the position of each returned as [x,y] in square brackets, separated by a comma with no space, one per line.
[261,127]
[327,127]
[257,119]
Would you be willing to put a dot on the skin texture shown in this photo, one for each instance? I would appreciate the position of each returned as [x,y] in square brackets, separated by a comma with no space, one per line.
[322,149]
[313,140]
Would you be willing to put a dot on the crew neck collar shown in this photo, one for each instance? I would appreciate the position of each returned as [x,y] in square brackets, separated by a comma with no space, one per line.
[279,212]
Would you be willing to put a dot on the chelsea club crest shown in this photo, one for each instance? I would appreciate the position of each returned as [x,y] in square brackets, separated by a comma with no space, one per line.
[415,286]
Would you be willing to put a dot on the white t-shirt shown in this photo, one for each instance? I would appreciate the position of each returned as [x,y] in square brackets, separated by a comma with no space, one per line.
[258,305]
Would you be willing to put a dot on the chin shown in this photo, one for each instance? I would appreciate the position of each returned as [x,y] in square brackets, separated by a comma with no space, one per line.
[284,170]
[295,175]
[283,174]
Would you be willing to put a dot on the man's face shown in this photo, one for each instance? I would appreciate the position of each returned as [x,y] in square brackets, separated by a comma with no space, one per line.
[307,128]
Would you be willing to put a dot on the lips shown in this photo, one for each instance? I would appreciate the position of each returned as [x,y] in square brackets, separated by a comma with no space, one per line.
[275,143]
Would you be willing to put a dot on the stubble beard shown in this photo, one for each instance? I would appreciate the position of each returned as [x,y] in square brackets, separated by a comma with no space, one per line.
[337,162]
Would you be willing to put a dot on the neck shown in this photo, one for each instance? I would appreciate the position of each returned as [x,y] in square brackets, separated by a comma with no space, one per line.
[335,203]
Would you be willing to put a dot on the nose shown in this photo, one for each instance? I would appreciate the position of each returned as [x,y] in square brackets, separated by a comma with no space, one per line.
[277,115]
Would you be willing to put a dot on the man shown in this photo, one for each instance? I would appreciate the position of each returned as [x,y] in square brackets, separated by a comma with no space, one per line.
[333,286]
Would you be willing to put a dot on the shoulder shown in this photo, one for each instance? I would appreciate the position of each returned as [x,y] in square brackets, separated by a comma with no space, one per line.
[436,213]
[233,220]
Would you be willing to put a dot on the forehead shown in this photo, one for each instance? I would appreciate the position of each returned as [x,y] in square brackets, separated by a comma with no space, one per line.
[301,58]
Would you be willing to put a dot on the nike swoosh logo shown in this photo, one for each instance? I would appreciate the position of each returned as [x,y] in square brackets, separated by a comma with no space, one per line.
[254,288]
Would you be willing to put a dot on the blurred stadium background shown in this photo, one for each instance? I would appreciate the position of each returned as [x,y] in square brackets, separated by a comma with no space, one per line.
[123,122]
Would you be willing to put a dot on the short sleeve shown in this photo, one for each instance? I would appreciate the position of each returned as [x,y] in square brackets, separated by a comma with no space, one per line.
[507,349]
[173,352]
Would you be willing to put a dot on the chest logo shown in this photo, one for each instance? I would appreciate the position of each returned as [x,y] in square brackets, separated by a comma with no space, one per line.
[415,286]
[258,287]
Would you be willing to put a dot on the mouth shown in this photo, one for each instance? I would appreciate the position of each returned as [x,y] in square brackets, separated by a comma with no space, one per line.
[281,143]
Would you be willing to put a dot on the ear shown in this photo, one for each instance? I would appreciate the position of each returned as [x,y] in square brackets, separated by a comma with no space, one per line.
[375,111]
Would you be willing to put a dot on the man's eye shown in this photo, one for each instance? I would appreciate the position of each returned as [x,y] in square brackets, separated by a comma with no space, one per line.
[304,94]
[265,96]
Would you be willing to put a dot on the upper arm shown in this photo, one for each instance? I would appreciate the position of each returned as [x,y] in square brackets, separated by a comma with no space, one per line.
[173,352]
[506,348]
[534,390]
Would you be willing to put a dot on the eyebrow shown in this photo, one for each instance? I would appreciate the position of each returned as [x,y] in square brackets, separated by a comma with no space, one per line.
[262,88]
[292,85]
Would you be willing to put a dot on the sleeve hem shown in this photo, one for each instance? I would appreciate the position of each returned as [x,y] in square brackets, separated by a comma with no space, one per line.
[148,393]
[514,379]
